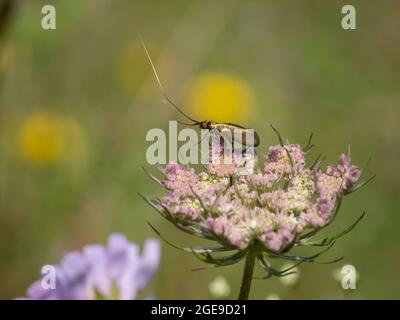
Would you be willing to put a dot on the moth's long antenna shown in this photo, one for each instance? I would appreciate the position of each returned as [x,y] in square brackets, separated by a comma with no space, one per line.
[186,124]
[160,84]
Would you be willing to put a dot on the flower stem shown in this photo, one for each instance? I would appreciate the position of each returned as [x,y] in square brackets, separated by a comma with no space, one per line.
[247,276]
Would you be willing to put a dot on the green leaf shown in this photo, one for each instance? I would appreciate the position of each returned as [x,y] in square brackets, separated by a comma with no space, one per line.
[317,162]
[220,262]
[278,134]
[359,185]
[299,257]
[272,271]
[155,206]
[153,177]
[327,241]
[190,249]
[308,146]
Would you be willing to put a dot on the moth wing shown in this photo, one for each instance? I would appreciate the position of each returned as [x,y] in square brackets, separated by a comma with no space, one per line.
[234,125]
[226,133]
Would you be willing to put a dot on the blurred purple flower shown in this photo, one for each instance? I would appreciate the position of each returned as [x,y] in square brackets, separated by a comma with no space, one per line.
[114,271]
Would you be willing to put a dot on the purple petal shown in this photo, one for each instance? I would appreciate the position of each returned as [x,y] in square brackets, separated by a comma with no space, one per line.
[98,277]
[117,254]
[37,292]
[127,280]
[149,262]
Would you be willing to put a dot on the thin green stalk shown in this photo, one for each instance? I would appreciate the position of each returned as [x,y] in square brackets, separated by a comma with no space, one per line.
[247,275]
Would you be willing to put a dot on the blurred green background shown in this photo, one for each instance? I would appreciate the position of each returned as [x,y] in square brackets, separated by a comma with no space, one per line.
[76,103]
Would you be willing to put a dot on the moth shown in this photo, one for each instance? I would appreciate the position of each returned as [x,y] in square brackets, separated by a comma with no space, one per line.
[236,132]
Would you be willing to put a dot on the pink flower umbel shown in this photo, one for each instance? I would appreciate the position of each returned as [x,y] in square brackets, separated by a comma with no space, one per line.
[263,214]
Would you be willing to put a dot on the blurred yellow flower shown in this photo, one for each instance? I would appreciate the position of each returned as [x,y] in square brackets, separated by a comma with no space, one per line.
[45,138]
[220,97]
